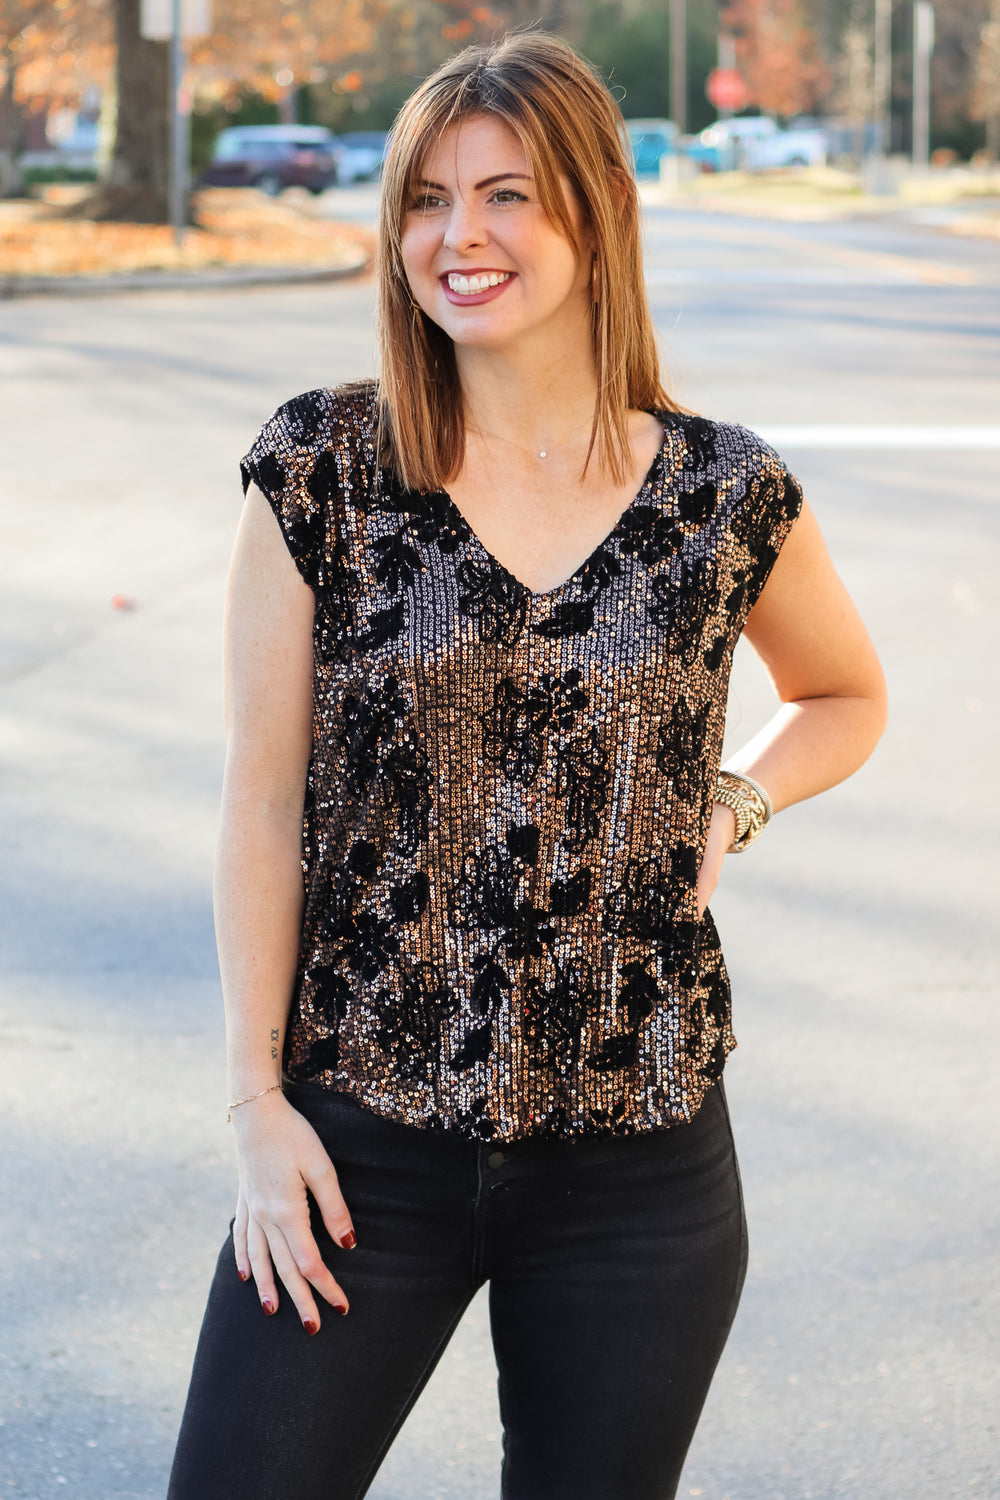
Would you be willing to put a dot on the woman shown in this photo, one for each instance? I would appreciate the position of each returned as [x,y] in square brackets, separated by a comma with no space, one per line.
[480,626]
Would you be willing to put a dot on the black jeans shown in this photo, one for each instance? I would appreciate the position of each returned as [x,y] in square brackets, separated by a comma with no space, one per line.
[615,1266]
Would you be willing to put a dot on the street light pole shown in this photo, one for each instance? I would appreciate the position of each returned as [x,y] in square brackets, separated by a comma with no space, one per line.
[923,46]
[883,77]
[678,64]
[726,44]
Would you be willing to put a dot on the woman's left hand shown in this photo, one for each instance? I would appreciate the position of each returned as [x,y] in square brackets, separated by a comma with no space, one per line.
[721,832]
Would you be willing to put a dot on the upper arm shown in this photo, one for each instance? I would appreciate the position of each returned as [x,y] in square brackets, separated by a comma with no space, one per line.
[805,627]
[268,660]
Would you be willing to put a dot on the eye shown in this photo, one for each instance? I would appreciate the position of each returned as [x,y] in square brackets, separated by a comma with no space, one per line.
[504,196]
[424,202]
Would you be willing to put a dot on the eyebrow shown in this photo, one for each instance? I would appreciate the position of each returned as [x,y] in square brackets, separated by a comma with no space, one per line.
[486,182]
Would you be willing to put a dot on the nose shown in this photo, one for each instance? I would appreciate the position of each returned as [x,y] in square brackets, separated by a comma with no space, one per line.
[465,229]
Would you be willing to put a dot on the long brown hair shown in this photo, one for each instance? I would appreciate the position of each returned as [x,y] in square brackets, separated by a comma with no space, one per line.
[568,125]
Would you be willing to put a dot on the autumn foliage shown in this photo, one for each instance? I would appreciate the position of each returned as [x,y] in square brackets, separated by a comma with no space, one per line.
[54,49]
[270,46]
[777,55]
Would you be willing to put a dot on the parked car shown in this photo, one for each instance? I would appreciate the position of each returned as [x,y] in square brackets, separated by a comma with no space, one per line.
[273,157]
[360,155]
[649,141]
[754,142]
[721,147]
[798,146]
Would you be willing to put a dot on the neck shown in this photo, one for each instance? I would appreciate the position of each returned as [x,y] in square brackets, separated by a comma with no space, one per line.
[533,402]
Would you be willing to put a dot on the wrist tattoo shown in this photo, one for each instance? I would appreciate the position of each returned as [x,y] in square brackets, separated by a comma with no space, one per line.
[274,1041]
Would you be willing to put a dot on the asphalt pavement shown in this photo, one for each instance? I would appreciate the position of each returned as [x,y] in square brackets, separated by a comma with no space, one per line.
[860,932]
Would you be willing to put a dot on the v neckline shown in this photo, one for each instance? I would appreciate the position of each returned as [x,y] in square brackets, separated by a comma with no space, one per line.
[543,594]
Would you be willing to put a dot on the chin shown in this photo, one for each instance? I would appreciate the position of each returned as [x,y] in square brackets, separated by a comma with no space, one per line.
[476,334]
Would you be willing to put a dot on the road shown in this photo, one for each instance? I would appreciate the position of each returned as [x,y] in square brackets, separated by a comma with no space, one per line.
[860,932]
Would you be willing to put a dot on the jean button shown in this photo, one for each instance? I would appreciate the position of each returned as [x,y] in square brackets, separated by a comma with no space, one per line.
[495,1159]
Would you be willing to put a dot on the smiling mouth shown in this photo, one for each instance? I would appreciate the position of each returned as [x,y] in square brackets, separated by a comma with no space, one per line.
[471,286]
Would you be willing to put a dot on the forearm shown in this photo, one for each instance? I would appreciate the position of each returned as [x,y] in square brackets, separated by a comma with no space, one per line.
[811,744]
[258,920]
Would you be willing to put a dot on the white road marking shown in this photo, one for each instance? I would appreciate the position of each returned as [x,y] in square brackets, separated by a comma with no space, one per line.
[914,274]
[880,435]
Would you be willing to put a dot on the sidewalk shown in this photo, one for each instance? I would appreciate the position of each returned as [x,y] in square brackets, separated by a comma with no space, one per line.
[241,239]
[957,199]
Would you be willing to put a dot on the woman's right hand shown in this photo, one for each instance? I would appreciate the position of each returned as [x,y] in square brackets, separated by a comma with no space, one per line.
[280,1157]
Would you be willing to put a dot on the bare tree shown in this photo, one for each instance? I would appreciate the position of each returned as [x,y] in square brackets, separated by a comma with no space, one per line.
[137,185]
[986,85]
[854,75]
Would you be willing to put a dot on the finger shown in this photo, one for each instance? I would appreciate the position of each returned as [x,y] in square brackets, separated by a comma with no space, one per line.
[311,1269]
[291,1267]
[240,1239]
[323,1183]
[260,1263]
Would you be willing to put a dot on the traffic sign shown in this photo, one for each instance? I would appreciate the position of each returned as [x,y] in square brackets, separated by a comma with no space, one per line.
[725,89]
[156,19]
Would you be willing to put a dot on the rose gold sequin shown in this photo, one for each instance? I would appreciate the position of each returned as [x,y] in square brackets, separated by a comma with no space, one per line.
[509,792]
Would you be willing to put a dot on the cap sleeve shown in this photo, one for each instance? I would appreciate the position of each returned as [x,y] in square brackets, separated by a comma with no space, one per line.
[280,464]
[771,506]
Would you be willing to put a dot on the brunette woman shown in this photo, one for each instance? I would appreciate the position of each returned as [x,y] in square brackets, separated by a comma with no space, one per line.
[480,624]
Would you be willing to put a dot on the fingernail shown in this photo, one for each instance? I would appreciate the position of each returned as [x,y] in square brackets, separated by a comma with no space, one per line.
[349,1240]
[342,1309]
[243,1275]
[310,1325]
[267,1305]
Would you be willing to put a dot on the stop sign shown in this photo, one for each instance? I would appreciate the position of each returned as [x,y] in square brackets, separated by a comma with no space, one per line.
[725,89]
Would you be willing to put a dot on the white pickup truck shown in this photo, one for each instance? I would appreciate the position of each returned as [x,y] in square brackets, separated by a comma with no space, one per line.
[754,142]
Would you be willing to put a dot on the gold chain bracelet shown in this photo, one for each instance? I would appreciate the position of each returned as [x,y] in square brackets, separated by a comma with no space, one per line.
[249,1100]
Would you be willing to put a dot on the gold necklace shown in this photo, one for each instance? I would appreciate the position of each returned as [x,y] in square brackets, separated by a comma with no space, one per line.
[529,452]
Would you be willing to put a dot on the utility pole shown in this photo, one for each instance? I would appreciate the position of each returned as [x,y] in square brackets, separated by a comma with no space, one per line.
[678,64]
[883,77]
[923,46]
[179,126]
[172,21]
[726,45]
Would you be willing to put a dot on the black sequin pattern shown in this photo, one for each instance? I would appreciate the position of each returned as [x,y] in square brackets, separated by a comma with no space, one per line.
[509,792]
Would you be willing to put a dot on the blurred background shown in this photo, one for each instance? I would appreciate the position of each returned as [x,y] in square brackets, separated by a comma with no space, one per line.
[861,96]
[189,192]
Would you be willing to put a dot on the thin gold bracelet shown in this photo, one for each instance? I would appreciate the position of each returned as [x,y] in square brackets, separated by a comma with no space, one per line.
[249,1100]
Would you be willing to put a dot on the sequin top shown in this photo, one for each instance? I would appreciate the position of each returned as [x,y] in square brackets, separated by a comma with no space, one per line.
[509,792]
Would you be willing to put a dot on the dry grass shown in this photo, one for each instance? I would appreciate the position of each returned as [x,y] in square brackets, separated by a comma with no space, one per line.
[237,227]
[818,193]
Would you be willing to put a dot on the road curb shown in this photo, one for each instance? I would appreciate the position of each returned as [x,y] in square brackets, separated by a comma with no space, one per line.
[174,281]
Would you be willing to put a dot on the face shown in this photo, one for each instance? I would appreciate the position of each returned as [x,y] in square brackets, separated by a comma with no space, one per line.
[481,258]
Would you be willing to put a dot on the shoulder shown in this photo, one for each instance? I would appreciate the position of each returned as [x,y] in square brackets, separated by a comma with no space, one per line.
[738,463]
[306,458]
[319,419]
[718,449]
[310,439]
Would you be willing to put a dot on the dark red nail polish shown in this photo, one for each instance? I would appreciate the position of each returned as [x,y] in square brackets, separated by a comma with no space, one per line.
[267,1305]
[310,1325]
[349,1240]
[243,1275]
[341,1309]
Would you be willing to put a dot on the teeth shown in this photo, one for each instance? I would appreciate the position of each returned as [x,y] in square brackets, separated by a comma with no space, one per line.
[468,286]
